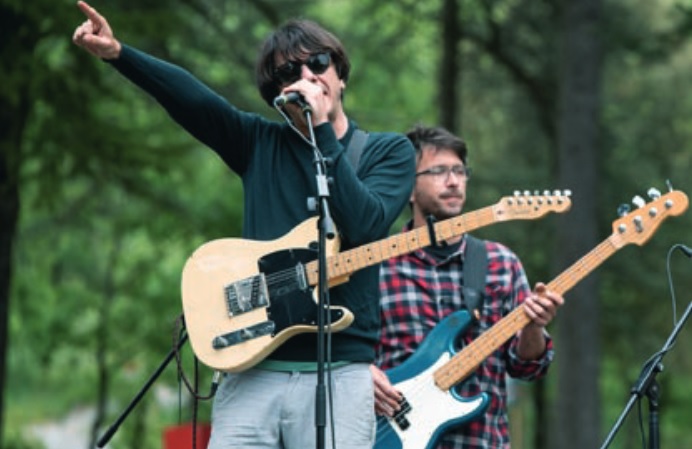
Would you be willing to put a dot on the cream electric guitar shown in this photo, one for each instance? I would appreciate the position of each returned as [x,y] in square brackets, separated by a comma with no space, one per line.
[431,406]
[242,299]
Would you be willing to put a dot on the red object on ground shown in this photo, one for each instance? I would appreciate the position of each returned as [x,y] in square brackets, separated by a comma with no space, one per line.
[180,436]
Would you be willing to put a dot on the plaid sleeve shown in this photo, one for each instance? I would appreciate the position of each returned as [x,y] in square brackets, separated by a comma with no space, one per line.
[506,269]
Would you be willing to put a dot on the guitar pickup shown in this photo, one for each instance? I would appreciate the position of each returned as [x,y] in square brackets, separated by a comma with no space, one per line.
[243,335]
[247,295]
[400,416]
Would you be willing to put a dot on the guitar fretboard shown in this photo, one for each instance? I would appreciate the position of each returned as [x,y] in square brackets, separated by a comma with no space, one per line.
[637,227]
[350,261]
[467,360]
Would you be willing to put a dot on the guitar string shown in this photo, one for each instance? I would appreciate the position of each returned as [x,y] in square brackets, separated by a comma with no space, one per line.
[350,260]
[463,223]
[400,244]
[472,221]
[565,279]
[350,256]
[563,283]
[486,343]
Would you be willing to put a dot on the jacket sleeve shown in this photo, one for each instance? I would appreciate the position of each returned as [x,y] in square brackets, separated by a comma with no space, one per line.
[193,105]
[368,199]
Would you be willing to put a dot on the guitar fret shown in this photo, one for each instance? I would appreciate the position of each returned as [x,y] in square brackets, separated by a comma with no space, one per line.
[468,359]
[343,264]
[212,268]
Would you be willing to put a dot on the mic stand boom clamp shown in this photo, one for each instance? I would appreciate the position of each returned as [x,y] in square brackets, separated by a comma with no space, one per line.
[646,384]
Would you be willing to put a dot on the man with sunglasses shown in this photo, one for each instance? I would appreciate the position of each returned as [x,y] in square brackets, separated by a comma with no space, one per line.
[272,405]
[420,289]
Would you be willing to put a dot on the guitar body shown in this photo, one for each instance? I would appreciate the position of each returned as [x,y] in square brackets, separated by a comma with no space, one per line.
[431,410]
[428,377]
[243,298]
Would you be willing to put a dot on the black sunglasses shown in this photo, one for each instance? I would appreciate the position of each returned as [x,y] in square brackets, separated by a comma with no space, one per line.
[289,72]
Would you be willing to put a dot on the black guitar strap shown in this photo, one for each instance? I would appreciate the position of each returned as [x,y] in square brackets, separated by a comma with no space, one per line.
[355,147]
[474,271]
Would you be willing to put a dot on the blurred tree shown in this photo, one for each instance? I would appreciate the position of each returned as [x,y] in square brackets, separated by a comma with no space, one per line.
[75,127]
[579,144]
[114,196]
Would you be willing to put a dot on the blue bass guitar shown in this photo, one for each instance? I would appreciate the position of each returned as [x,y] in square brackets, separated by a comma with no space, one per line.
[428,409]
[430,405]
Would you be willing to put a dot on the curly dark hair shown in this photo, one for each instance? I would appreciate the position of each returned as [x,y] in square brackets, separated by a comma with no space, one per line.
[292,41]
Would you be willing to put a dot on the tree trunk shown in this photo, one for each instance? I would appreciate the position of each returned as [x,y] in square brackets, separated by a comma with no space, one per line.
[578,347]
[13,114]
[9,215]
[449,65]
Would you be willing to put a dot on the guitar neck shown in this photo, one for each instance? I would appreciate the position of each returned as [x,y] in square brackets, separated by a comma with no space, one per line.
[350,261]
[467,360]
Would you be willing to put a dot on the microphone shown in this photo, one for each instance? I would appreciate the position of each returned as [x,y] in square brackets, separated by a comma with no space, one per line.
[685,249]
[291,97]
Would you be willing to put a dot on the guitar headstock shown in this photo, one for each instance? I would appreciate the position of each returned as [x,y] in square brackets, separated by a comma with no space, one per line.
[639,225]
[527,206]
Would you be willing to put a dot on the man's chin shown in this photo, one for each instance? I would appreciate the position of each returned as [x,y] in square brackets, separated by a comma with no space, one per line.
[449,212]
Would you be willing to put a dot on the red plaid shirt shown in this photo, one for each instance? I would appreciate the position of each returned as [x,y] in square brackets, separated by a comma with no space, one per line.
[418,291]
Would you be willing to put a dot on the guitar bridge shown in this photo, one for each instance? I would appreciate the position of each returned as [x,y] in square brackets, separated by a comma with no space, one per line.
[247,294]
[242,335]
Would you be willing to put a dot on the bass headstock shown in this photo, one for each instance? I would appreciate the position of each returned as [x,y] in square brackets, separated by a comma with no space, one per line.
[639,225]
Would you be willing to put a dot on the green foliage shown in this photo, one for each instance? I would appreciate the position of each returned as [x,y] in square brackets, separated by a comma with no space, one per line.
[115,197]
[15,440]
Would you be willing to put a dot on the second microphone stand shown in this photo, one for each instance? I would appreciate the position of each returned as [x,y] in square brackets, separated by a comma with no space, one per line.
[647,385]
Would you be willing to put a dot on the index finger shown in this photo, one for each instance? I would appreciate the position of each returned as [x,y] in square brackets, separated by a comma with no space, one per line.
[90,12]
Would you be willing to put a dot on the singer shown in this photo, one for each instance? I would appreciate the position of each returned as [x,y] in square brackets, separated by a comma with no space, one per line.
[272,405]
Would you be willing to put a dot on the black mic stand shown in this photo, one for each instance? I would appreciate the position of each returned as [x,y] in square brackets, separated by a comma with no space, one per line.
[646,384]
[138,397]
[325,231]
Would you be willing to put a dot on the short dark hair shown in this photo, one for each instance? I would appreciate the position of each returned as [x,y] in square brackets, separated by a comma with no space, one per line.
[437,137]
[292,40]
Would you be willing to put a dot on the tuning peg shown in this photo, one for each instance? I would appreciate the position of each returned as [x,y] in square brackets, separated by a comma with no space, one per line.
[638,201]
[653,193]
[546,193]
[623,210]
[567,192]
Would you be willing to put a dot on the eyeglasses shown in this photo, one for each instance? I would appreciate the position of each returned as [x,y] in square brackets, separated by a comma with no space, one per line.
[441,173]
[289,72]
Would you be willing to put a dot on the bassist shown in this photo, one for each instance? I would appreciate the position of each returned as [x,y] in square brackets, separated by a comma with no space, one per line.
[422,288]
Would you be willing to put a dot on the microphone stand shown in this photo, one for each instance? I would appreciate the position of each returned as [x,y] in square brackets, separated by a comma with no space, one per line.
[646,384]
[105,438]
[325,231]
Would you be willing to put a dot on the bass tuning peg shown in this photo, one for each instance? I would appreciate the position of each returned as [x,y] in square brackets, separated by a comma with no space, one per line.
[638,201]
[653,193]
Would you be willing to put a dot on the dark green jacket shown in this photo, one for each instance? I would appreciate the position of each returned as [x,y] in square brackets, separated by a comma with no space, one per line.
[276,167]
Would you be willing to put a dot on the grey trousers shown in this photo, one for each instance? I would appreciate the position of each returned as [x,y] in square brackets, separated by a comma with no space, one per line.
[276,410]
